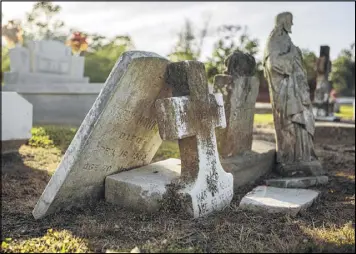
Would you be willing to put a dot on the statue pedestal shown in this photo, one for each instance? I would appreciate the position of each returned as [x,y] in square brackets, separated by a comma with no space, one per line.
[301,168]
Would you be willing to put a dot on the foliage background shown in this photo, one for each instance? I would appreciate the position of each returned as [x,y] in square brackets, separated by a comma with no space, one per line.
[42,23]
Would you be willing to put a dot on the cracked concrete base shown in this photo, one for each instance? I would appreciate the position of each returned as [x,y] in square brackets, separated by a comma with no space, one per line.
[251,165]
[142,188]
[278,200]
[298,182]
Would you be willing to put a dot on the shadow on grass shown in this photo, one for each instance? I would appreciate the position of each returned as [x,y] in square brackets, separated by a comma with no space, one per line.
[325,227]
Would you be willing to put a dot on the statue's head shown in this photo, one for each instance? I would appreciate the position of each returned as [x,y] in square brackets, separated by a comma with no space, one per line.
[285,21]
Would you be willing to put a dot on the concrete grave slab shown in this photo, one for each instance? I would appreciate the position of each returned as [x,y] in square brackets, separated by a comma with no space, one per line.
[142,188]
[16,121]
[278,200]
[118,133]
[297,182]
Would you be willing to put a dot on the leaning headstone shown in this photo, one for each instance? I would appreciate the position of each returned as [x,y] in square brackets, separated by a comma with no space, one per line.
[278,200]
[240,102]
[191,117]
[16,121]
[118,133]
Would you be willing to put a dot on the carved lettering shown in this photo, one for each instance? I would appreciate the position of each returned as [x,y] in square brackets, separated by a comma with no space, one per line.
[123,153]
[96,167]
[131,137]
[140,156]
[202,196]
[202,208]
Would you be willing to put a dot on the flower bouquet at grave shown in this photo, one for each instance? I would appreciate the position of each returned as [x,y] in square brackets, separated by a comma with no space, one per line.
[78,43]
[12,33]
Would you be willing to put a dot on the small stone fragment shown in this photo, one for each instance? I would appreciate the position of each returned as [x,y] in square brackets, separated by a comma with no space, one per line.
[278,200]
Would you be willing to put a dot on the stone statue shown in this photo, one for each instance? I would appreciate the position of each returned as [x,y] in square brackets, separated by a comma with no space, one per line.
[290,97]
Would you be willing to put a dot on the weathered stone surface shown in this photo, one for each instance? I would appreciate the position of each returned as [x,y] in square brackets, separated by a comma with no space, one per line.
[192,118]
[16,121]
[249,166]
[297,182]
[118,133]
[142,188]
[278,200]
[291,105]
[242,90]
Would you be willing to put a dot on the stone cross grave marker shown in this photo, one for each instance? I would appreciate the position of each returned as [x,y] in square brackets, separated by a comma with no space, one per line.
[242,90]
[118,133]
[192,117]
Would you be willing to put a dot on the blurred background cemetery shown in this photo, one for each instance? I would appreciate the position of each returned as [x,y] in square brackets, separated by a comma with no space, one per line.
[62,96]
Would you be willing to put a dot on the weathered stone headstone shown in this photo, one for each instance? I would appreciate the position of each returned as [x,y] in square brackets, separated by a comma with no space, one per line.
[191,116]
[118,133]
[322,108]
[239,104]
[16,121]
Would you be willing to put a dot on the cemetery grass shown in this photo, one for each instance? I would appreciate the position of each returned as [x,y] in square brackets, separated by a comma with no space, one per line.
[346,113]
[328,226]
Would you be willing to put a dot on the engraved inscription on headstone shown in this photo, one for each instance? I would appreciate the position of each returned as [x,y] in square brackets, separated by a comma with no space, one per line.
[242,90]
[118,133]
[192,117]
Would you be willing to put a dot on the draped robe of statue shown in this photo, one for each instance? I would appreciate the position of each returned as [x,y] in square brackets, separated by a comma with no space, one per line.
[292,108]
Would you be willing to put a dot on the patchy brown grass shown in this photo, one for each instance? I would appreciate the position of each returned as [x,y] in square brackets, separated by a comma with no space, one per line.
[328,226]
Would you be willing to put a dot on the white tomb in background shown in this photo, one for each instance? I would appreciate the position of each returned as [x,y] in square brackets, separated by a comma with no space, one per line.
[16,121]
[47,75]
[44,62]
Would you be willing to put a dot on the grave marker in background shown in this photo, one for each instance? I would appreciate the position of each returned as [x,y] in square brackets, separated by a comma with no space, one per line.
[16,121]
[239,105]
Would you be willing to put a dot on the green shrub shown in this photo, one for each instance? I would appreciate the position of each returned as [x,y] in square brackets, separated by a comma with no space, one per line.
[52,136]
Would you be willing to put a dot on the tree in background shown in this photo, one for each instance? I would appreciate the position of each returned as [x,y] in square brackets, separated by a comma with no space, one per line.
[228,42]
[309,60]
[101,58]
[190,42]
[12,32]
[100,52]
[41,25]
[343,72]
